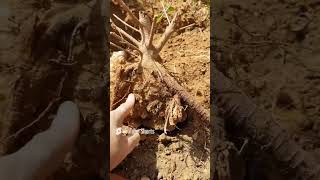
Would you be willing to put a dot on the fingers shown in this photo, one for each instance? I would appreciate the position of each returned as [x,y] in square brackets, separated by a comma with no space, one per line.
[125,147]
[67,121]
[123,110]
[66,125]
[133,141]
[43,154]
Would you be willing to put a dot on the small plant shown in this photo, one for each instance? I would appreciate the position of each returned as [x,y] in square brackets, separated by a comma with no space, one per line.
[167,10]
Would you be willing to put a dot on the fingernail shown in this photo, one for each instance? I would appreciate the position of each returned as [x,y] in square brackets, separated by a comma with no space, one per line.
[131,95]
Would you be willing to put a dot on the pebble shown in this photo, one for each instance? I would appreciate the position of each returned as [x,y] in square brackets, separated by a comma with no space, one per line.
[186,138]
[160,176]
[176,146]
[164,139]
[173,166]
[259,84]
[145,178]
[199,93]
[195,136]
[181,158]
[161,146]
[167,152]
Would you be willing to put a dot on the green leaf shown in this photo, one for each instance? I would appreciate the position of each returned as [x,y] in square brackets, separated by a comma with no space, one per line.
[170,10]
[159,17]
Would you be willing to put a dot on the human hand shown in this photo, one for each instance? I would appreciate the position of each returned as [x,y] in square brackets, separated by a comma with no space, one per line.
[42,155]
[121,146]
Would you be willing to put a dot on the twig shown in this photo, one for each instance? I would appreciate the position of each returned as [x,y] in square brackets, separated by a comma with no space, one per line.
[165,12]
[124,41]
[184,27]
[152,30]
[116,46]
[41,115]
[72,39]
[113,25]
[166,35]
[60,87]
[243,146]
[126,24]
[126,8]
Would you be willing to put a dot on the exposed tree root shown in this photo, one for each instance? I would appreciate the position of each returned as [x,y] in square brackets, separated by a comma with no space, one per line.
[174,86]
[220,167]
[240,111]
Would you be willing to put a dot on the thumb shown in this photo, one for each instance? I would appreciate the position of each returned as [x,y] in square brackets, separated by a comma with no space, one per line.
[123,110]
[67,121]
[43,154]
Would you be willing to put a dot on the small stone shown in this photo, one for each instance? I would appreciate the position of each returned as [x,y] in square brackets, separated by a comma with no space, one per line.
[203,70]
[160,176]
[145,178]
[299,24]
[161,146]
[195,136]
[162,137]
[186,138]
[199,93]
[258,84]
[173,166]
[167,152]
[176,146]
[181,158]
[284,99]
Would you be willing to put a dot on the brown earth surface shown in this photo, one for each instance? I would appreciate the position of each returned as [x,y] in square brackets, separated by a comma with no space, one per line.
[270,49]
[30,82]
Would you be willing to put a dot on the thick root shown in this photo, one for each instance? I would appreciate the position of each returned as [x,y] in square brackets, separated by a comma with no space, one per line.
[261,127]
[176,88]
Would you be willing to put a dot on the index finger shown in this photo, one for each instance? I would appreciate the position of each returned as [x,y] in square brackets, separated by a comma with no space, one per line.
[123,110]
